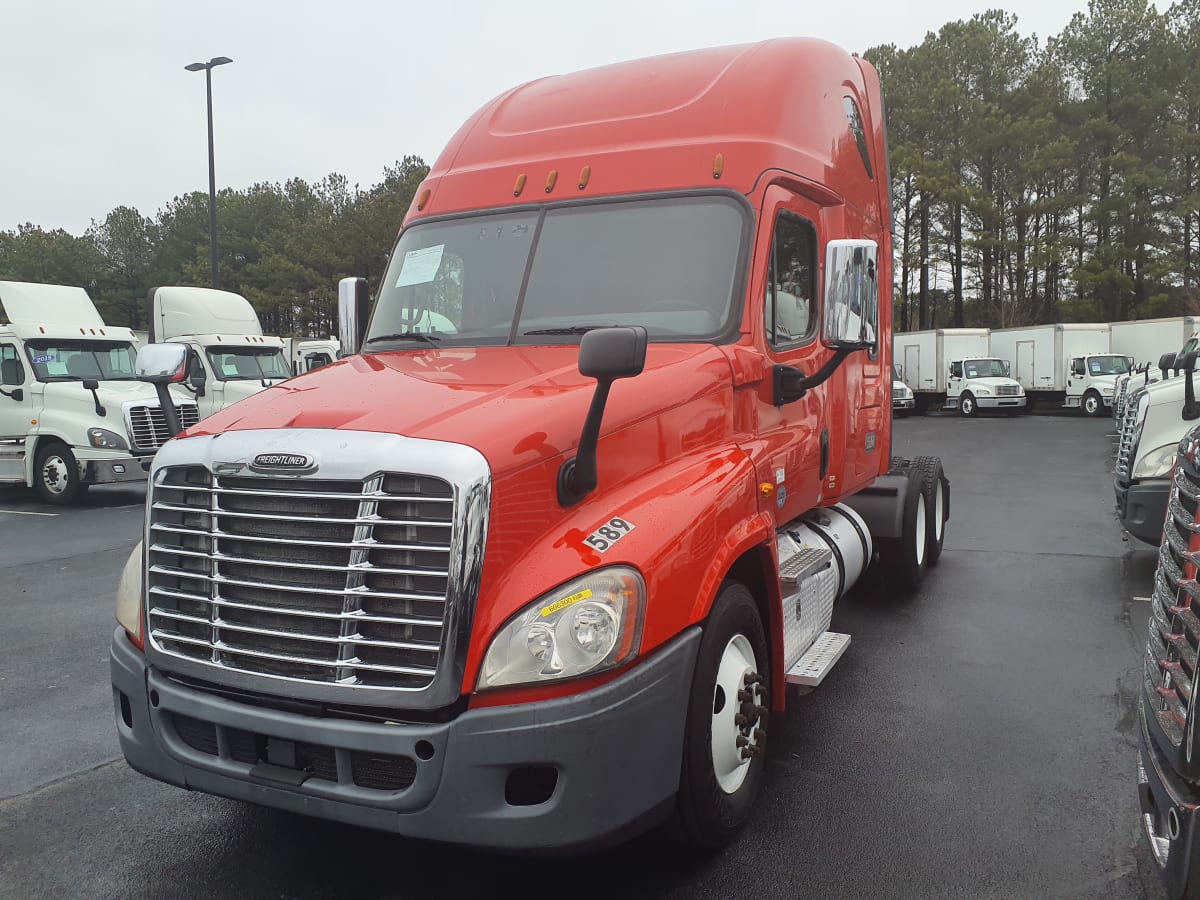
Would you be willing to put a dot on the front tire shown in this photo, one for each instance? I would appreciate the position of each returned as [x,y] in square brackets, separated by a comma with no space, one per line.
[967,406]
[905,558]
[725,730]
[1092,405]
[56,474]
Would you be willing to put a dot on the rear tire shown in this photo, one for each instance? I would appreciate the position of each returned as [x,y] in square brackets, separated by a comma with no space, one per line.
[936,488]
[967,406]
[717,784]
[904,558]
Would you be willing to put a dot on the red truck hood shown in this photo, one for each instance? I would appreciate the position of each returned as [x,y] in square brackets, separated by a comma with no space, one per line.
[515,405]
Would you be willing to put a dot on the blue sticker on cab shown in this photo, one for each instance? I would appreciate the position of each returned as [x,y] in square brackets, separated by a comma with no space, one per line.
[45,358]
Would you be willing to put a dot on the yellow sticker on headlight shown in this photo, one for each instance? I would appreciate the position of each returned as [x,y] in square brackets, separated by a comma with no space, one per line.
[565,602]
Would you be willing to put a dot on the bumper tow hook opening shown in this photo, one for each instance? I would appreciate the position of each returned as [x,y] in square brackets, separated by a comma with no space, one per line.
[1174,828]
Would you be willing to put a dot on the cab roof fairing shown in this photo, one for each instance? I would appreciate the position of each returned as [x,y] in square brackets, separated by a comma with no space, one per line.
[657,124]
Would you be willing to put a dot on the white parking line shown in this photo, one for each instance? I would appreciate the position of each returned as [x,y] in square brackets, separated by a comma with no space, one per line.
[1143,599]
[22,512]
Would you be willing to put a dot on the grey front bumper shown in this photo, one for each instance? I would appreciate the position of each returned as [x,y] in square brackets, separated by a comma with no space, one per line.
[1000,402]
[109,471]
[1142,508]
[903,403]
[616,749]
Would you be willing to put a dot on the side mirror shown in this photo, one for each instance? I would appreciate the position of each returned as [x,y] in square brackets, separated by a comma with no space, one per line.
[1007,368]
[162,363]
[197,379]
[1191,410]
[605,354]
[1166,361]
[353,307]
[851,320]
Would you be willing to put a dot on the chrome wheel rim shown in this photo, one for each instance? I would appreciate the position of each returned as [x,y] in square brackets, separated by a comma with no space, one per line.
[939,510]
[734,741]
[54,474]
[919,532]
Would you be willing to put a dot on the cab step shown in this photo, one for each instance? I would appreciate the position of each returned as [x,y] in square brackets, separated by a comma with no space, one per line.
[815,664]
[12,463]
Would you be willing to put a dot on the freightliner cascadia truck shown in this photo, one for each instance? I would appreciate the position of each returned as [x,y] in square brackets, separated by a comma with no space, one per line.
[533,565]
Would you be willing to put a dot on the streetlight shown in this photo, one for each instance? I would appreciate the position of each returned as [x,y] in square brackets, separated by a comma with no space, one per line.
[212,174]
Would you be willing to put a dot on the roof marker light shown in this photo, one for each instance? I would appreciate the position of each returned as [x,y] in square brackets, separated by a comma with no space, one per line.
[519,186]
[719,165]
[551,180]
[584,176]
[423,199]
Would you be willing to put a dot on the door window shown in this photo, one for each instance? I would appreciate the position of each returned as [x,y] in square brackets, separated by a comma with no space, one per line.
[956,370]
[791,281]
[12,372]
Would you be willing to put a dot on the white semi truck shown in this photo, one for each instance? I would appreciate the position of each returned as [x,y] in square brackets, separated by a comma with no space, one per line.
[1071,364]
[1144,341]
[231,358]
[306,354]
[71,413]
[955,367]
[1156,417]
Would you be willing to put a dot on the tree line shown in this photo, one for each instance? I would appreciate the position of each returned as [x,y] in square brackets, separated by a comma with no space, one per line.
[1036,183]
[282,246]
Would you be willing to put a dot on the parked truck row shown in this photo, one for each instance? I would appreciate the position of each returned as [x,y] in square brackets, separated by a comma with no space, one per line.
[71,412]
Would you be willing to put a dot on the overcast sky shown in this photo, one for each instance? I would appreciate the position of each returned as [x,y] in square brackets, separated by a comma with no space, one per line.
[98,111]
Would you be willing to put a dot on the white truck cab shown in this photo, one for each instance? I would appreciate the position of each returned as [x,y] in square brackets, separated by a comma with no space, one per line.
[1091,381]
[231,358]
[71,413]
[980,382]
[306,355]
[903,399]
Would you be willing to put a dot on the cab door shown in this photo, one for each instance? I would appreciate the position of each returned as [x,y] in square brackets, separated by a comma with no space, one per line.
[16,398]
[954,382]
[797,439]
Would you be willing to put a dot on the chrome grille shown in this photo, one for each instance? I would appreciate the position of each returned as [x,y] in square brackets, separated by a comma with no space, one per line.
[1118,404]
[1174,638]
[1125,440]
[148,425]
[1007,390]
[338,582]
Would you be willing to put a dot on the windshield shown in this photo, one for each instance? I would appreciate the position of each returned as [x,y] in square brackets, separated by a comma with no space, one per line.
[547,276]
[1107,365]
[67,360]
[984,368]
[248,363]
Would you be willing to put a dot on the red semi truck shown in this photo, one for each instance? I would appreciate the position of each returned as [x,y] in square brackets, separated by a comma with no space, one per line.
[534,564]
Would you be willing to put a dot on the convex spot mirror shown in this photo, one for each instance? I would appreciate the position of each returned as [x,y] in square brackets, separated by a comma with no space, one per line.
[162,363]
[851,319]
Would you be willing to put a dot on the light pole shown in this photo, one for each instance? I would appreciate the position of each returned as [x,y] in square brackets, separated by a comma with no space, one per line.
[212,172]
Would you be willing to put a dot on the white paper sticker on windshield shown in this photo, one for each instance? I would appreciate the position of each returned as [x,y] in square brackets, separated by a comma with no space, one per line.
[420,266]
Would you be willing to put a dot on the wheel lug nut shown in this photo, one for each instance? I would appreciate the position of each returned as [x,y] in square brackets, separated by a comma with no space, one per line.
[741,741]
[741,720]
[744,696]
[761,710]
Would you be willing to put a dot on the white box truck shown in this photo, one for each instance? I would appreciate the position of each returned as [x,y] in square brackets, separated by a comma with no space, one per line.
[71,413]
[954,367]
[1069,364]
[231,358]
[305,354]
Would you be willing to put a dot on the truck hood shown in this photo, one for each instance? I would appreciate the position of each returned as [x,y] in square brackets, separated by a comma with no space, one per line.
[515,405]
[68,409]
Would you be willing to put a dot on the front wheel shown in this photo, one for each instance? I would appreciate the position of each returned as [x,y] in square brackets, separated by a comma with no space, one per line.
[1092,404]
[726,730]
[56,474]
[967,406]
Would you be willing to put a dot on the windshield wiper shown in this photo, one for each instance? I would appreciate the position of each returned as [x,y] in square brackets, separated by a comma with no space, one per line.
[405,336]
[573,329]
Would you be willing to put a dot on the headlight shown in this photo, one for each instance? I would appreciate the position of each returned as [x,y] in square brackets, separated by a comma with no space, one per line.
[1157,463]
[129,596]
[1108,391]
[982,389]
[106,440]
[588,625]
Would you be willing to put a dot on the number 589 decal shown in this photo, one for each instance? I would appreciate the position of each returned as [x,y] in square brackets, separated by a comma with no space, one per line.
[608,534]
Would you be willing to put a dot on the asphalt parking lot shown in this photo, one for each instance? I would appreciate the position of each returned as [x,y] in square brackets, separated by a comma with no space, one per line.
[976,740]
